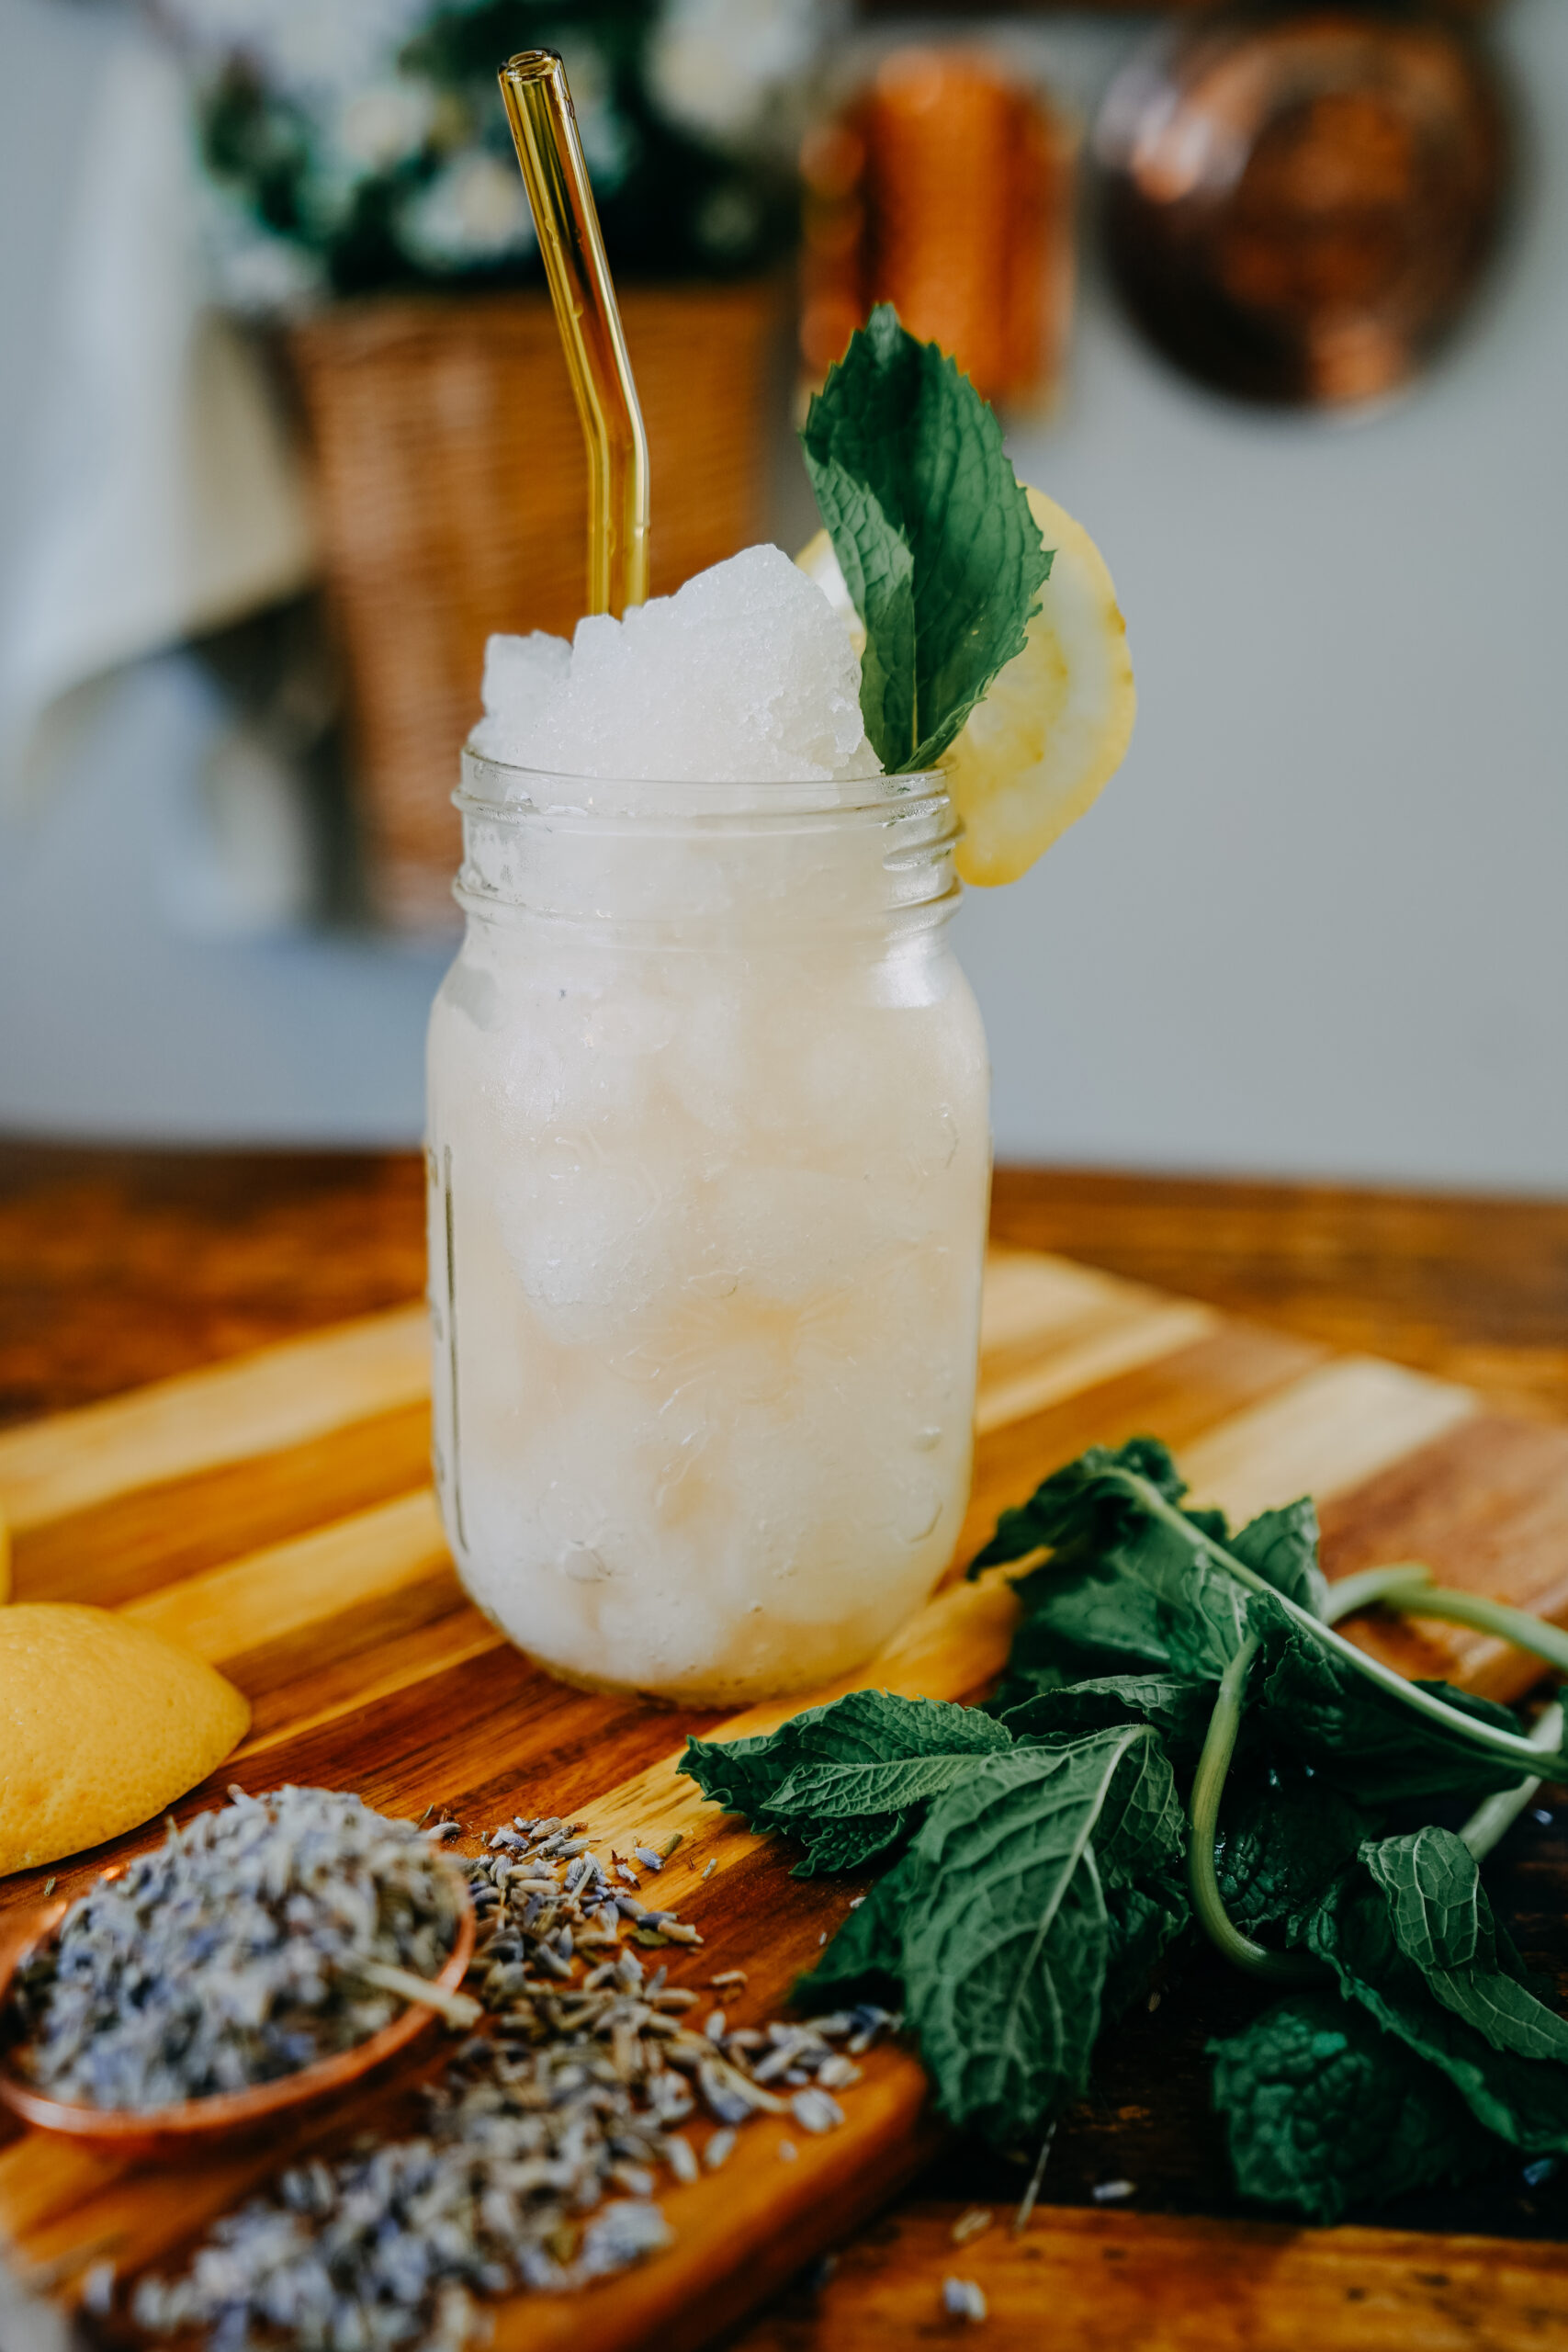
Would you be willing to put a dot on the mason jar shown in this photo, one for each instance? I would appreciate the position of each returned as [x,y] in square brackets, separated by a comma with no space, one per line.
[709,1160]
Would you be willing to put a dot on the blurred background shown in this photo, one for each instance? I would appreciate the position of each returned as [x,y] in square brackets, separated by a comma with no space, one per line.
[1275,300]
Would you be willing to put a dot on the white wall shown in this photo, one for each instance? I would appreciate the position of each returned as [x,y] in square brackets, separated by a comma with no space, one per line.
[1317,924]
[1320,920]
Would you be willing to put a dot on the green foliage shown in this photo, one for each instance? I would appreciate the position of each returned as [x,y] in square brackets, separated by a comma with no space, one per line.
[1007,1939]
[1177,1706]
[1384,1930]
[1135,1586]
[935,539]
[1283,1841]
[1037,1881]
[1365,1738]
[831,1775]
[1282,1546]
[673,205]
[1322,2112]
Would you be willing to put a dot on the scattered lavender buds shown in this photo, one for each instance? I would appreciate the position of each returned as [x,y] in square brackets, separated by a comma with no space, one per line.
[542,2148]
[235,1953]
[963,2299]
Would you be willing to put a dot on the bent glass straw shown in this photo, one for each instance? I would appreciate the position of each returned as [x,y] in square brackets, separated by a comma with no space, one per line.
[544,128]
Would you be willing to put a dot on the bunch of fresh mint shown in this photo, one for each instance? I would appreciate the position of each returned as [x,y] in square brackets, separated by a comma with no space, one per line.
[1035,1849]
[934,535]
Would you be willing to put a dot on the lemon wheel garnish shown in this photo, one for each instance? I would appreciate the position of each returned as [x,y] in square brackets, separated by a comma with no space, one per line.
[1055,726]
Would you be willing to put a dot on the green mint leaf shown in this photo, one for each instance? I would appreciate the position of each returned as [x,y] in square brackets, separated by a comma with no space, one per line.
[1503,2051]
[1322,2112]
[1442,1923]
[1284,1838]
[1072,1504]
[1129,1585]
[1365,1740]
[1282,1546]
[934,534]
[1440,1912]
[819,1789]
[847,1845]
[867,1728]
[1133,1587]
[1177,1706]
[1006,1940]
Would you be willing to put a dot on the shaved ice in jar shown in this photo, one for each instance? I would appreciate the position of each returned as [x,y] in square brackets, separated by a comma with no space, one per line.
[708,1154]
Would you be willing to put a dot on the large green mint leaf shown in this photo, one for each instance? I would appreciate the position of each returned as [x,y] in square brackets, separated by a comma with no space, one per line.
[851,1844]
[829,1790]
[1442,1922]
[1178,1707]
[867,1728]
[1282,1546]
[1283,1839]
[1007,1939]
[1322,2112]
[934,537]
[1497,2045]
[1440,1915]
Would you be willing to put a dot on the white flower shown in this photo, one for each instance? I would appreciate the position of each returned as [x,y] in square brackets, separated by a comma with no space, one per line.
[378,126]
[474,210]
[714,64]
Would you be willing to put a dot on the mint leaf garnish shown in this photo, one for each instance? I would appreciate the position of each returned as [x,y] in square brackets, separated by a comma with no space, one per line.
[933,533]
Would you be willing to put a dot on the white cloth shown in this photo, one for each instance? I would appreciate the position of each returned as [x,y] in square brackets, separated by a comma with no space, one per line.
[166,497]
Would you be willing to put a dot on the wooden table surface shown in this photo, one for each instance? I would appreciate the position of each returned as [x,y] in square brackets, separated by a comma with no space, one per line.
[120,1267]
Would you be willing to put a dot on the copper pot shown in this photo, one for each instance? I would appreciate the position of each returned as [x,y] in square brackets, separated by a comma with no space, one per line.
[1299,209]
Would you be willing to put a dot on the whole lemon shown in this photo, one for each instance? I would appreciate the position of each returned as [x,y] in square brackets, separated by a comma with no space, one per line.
[102,1726]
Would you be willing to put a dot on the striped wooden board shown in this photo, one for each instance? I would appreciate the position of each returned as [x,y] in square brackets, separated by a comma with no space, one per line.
[275,1514]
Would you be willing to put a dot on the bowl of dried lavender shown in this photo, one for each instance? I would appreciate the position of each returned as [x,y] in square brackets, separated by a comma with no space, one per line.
[264,1956]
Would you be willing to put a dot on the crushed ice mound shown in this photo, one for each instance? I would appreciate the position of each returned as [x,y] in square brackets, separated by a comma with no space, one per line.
[745,676]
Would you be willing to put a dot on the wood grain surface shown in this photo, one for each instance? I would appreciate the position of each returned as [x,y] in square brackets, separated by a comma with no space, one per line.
[273,1515]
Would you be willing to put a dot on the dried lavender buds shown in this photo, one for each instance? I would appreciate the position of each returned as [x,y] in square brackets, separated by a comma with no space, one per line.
[235,1952]
[544,2146]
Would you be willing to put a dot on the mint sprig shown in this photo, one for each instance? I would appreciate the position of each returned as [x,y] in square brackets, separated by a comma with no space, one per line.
[1031,1853]
[934,534]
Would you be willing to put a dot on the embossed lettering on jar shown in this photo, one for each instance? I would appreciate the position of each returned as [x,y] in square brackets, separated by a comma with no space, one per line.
[709,1160]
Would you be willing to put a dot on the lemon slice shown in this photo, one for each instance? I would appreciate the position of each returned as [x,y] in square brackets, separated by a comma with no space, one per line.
[1056,724]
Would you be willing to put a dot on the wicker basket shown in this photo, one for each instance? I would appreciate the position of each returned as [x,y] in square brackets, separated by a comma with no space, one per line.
[453,494]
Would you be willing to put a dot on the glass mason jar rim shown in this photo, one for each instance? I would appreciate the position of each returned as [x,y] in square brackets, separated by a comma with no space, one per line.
[499,789]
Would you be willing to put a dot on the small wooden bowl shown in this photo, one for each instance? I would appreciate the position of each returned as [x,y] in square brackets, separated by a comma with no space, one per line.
[191,2126]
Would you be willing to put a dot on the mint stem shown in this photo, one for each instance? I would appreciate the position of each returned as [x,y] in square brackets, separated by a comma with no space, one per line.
[1406,1585]
[1371,1587]
[1203,1814]
[1512,1746]
[1498,1813]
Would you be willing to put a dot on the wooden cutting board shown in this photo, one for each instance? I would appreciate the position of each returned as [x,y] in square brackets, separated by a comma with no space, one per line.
[275,1514]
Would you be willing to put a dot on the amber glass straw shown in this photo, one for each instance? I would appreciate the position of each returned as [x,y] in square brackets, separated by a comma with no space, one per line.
[543,125]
